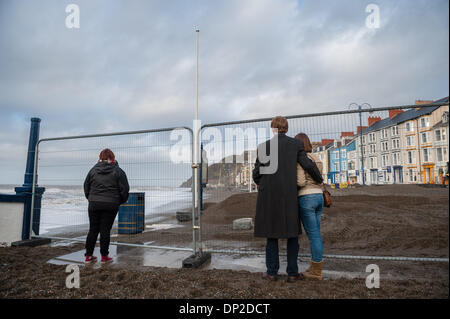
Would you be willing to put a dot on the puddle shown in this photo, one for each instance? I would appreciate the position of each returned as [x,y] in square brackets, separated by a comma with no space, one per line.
[126,256]
[153,227]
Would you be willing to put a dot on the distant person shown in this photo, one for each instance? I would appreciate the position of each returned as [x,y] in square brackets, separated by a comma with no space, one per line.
[310,200]
[106,188]
[277,213]
[447,175]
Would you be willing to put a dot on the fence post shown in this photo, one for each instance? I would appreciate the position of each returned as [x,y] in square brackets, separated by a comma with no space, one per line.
[32,193]
[199,257]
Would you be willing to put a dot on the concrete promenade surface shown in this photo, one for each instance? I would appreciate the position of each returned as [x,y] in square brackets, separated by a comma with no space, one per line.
[149,257]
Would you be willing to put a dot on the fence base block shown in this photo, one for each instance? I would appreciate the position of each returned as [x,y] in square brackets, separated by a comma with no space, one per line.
[33,242]
[196,261]
[184,216]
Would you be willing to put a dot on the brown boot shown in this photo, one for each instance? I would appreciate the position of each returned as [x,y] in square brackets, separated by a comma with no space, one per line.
[314,271]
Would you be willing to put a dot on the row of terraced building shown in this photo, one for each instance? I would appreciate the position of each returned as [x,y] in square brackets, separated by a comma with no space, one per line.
[408,147]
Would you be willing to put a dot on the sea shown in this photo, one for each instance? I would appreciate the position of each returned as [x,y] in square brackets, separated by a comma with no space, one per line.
[65,207]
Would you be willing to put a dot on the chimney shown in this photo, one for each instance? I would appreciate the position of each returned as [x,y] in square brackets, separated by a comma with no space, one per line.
[359,129]
[420,102]
[346,134]
[326,141]
[393,113]
[373,119]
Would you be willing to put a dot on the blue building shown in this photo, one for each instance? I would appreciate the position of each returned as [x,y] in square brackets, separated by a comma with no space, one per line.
[338,172]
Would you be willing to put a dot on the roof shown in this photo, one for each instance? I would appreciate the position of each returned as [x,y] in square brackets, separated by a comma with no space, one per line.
[439,124]
[403,117]
[443,100]
[325,147]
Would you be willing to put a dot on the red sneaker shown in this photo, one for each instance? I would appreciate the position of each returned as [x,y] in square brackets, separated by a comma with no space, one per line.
[269,277]
[90,259]
[106,259]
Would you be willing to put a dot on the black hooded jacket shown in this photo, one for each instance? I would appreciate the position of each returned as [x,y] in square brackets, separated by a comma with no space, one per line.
[106,182]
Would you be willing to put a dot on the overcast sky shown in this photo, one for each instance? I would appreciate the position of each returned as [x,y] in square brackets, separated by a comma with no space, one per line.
[131,64]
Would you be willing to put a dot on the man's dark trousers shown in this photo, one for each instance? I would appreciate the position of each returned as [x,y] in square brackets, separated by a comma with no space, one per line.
[273,260]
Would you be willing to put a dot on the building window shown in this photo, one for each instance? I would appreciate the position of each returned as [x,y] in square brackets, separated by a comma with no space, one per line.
[425,137]
[409,127]
[411,157]
[384,146]
[410,141]
[344,166]
[394,130]
[372,148]
[336,155]
[437,135]
[439,154]
[444,135]
[351,165]
[412,176]
[385,160]
[336,167]
[372,137]
[395,158]
[424,122]
[395,144]
[373,162]
[426,155]
[343,153]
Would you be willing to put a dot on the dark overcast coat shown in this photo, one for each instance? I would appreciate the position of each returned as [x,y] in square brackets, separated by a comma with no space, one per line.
[277,212]
[106,182]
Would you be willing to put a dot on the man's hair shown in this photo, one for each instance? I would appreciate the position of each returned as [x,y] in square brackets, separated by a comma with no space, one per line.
[106,154]
[305,140]
[279,123]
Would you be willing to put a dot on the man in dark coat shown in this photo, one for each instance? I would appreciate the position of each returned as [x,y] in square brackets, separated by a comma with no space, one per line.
[277,210]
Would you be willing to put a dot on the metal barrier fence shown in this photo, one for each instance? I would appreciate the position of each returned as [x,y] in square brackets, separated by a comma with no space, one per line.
[393,154]
[156,163]
[393,148]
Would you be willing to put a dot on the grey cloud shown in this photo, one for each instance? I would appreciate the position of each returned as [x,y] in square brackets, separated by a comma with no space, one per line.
[131,65]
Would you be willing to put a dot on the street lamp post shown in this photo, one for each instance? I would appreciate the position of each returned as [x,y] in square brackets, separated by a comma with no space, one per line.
[360,106]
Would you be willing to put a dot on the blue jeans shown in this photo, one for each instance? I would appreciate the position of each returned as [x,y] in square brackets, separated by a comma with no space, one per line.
[273,260]
[310,214]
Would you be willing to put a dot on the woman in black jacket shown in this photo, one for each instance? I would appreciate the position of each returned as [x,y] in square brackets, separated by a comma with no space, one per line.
[106,188]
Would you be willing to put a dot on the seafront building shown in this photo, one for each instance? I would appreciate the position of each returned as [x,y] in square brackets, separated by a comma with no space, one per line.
[440,146]
[322,152]
[407,147]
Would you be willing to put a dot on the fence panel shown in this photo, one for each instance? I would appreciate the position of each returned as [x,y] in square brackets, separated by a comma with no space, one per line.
[156,162]
[380,219]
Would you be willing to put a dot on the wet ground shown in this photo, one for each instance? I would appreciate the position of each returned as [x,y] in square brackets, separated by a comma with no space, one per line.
[392,220]
[140,258]
[26,273]
[136,257]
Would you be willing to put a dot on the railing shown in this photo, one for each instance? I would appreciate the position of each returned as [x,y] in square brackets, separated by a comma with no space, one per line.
[229,192]
[153,167]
